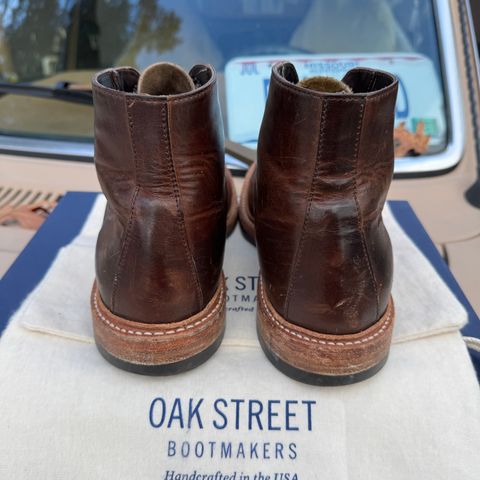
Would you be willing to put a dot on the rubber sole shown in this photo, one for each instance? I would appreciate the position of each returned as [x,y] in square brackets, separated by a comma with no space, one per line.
[159,349]
[322,359]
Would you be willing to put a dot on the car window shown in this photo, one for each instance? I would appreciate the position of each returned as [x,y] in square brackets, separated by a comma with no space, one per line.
[45,42]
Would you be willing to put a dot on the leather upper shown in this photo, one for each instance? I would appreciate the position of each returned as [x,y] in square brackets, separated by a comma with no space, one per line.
[160,162]
[325,163]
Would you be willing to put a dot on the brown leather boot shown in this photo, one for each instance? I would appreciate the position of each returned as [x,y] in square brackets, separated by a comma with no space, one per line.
[158,302]
[314,204]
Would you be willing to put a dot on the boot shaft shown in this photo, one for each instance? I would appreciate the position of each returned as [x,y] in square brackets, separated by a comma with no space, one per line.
[160,163]
[325,163]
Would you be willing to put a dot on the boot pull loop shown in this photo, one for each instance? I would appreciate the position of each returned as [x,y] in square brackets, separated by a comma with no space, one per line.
[288,72]
[365,80]
[122,80]
[115,79]
[200,74]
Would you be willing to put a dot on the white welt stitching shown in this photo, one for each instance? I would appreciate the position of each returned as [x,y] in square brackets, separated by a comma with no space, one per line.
[316,340]
[168,332]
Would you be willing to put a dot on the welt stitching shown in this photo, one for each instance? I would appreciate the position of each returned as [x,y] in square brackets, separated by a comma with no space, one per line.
[113,325]
[291,331]
[357,206]
[125,243]
[298,255]
[180,218]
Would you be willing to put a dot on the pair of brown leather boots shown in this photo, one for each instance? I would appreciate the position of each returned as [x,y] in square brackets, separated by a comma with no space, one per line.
[312,203]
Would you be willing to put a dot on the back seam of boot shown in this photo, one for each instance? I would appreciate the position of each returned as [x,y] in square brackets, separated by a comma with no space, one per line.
[125,245]
[126,233]
[180,216]
[360,223]
[306,219]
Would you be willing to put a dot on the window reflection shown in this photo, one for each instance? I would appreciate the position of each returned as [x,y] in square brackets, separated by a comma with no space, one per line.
[45,41]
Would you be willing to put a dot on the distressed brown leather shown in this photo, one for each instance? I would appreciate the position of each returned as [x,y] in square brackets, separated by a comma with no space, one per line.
[325,163]
[160,162]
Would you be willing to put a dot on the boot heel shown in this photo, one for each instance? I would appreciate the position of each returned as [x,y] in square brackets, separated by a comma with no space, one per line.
[322,359]
[159,349]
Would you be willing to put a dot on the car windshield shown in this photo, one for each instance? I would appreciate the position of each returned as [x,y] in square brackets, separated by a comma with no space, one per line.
[45,42]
